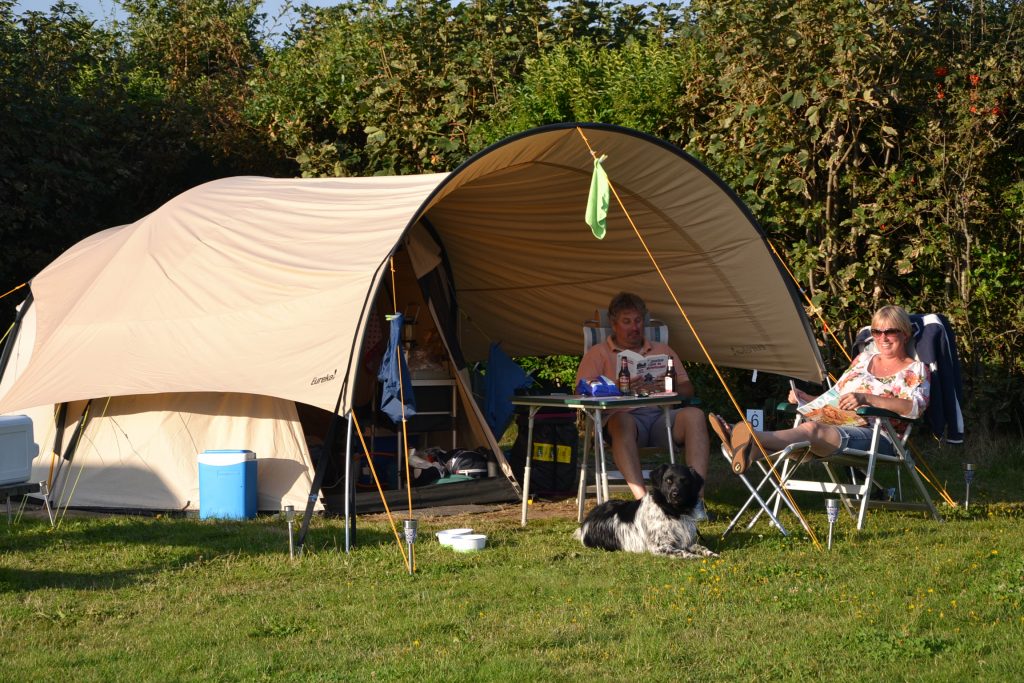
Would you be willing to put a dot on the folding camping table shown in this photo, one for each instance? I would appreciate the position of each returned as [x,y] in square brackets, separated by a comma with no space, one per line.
[592,408]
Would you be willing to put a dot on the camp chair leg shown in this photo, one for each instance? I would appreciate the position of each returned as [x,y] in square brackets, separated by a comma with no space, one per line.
[671,442]
[44,491]
[908,463]
[755,496]
[872,459]
[788,469]
[840,488]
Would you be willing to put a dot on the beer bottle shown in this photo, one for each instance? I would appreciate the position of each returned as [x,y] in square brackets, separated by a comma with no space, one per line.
[623,382]
[670,377]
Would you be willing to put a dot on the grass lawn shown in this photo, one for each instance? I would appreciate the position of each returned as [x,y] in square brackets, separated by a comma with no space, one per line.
[158,599]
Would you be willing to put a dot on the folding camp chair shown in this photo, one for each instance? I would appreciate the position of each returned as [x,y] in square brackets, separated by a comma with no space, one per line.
[596,331]
[933,346]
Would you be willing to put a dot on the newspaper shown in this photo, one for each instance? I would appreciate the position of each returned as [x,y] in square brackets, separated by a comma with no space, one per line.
[825,409]
[650,369]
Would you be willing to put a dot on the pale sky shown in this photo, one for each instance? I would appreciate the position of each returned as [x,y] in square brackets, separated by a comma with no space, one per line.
[104,9]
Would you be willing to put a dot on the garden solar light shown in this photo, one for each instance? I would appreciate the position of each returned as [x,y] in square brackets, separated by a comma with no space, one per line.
[410,538]
[289,515]
[968,477]
[832,510]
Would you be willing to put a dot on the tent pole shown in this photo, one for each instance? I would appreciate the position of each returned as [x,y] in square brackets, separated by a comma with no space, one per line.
[318,479]
[349,528]
[69,452]
[9,346]
[58,442]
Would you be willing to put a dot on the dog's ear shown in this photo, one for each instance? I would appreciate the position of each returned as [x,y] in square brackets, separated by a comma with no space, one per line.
[657,474]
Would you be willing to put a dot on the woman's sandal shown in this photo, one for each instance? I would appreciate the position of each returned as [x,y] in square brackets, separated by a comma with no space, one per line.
[721,428]
[741,447]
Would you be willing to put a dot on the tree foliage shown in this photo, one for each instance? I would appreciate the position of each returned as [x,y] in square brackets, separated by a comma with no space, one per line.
[879,144]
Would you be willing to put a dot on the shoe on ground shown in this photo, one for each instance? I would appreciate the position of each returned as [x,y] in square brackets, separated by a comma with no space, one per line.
[700,513]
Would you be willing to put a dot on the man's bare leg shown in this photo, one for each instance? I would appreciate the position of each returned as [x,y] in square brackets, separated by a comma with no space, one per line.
[622,429]
[690,428]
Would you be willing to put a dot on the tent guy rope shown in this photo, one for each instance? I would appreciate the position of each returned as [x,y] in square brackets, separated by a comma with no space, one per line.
[380,490]
[405,426]
[803,520]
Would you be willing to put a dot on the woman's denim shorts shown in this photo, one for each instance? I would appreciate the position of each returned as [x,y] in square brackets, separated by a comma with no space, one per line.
[859,438]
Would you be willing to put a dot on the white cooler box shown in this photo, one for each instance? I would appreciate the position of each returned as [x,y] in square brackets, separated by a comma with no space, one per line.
[17,449]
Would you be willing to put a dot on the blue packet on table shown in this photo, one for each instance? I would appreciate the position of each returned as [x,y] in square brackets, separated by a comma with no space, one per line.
[602,386]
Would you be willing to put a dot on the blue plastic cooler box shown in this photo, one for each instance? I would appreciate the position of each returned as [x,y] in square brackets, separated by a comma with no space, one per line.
[227,484]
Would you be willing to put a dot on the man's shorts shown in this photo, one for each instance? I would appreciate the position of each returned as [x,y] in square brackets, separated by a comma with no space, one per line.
[650,426]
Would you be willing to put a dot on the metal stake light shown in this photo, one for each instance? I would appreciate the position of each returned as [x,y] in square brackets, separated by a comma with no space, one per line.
[289,515]
[832,510]
[410,538]
[968,477]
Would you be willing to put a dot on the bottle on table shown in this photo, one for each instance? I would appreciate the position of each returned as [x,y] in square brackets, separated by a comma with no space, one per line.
[623,381]
[670,377]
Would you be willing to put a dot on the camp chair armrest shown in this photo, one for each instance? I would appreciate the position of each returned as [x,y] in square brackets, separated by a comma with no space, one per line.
[870,411]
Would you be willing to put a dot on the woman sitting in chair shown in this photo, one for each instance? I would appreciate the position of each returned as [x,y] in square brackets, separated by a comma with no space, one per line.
[885,377]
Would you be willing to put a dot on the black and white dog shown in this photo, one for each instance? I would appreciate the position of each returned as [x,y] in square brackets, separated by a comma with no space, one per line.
[659,523]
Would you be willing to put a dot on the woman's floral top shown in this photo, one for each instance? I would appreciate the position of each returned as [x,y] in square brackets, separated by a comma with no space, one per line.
[911,383]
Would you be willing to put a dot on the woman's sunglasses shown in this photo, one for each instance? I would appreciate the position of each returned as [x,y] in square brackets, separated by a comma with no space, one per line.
[891,332]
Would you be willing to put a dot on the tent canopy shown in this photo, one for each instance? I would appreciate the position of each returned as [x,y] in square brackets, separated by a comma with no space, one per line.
[261,286]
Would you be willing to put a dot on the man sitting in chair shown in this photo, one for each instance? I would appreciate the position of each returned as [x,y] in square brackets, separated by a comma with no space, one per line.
[631,429]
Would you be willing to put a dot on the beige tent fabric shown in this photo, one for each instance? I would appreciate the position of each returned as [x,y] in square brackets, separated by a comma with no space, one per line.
[244,285]
[139,452]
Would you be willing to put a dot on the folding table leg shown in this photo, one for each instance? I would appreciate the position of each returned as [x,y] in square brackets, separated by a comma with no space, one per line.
[603,485]
[581,492]
[526,468]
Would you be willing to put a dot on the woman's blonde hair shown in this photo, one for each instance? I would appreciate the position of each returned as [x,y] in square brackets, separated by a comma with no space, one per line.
[894,316]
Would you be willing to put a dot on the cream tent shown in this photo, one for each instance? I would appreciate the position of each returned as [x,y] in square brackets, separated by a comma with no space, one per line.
[211,317]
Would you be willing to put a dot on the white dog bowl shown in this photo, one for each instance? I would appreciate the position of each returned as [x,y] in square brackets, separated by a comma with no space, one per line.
[465,543]
[445,536]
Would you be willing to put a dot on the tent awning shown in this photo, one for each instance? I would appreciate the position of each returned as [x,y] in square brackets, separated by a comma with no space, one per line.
[260,286]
